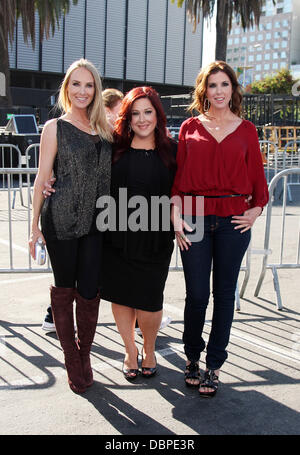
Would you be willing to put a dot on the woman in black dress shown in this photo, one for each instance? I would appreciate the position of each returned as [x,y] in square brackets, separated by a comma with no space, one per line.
[136,258]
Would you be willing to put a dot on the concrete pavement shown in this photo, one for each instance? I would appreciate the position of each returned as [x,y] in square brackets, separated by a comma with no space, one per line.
[259,390]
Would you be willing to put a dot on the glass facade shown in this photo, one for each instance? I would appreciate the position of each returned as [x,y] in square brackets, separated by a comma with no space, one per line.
[265,49]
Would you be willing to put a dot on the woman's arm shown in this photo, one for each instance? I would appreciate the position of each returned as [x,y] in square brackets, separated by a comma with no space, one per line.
[260,194]
[48,150]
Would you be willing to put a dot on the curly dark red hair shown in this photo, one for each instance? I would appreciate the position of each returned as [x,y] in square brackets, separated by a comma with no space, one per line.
[123,135]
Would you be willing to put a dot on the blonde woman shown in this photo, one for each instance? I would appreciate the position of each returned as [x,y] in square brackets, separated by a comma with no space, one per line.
[76,149]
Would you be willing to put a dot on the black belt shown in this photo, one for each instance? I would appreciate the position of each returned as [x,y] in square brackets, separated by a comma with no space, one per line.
[206,197]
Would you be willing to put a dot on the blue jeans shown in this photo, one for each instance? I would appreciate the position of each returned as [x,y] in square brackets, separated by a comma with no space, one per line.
[223,247]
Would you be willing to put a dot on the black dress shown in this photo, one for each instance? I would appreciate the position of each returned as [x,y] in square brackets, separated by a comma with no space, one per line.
[136,263]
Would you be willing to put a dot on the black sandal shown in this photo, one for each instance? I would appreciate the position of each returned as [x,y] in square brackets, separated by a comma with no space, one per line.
[131,373]
[192,372]
[210,381]
[148,372]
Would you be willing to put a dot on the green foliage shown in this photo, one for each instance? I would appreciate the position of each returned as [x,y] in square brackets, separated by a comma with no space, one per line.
[279,83]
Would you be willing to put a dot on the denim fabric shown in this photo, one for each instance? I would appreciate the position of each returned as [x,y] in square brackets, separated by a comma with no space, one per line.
[223,247]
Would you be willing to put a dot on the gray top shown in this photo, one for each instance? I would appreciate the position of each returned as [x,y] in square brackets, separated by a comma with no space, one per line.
[82,176]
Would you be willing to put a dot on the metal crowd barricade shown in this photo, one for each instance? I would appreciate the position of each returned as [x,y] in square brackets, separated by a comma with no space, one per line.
[269,151]
[291,159]
[294,239]
[31,268]
[11,157]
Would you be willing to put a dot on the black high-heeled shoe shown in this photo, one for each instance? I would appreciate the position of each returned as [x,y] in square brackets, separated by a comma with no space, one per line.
[148,372]
[192,372]
[210,381]
[131,373]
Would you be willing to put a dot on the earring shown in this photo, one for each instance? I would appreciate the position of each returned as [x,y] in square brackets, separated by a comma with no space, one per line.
[206,105]
[129,128]
[230,103]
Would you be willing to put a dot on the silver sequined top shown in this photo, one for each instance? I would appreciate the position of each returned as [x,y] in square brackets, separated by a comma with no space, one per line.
[82,176]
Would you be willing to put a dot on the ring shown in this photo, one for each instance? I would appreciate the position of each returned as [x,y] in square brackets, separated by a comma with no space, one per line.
[44,192]
[182,236]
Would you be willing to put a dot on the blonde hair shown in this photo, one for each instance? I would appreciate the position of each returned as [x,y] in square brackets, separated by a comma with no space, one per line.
[199,95]
[96,110]
[111,96]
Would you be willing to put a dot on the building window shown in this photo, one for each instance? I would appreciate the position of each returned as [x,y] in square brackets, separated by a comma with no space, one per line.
[275,66]
[285,33]
[275,54]
[266,66]
[252,38]
[244,39]
[276,45]
[251,58]
[283,54]
[229,40]
[258,57]
[257,77]
[236,40]
[283,44]
[260,37]
[279,10]
[267,56]
[268,36]
[258,67]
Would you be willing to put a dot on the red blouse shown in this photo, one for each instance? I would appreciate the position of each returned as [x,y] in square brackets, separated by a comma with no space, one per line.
[208,167]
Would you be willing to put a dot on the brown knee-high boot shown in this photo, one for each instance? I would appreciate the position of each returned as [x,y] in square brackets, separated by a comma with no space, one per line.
[86,318]
[62,308]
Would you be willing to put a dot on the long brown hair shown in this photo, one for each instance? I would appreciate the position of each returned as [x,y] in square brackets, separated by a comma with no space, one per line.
[199,94]
[123,134]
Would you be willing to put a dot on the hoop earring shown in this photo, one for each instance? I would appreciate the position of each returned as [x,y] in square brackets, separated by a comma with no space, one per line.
[206,105]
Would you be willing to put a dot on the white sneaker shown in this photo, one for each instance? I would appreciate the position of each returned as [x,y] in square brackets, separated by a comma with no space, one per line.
[48,326]
[164,322]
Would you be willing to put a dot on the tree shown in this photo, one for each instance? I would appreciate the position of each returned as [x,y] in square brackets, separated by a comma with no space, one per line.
[246,12]
[49,12]
[280,83]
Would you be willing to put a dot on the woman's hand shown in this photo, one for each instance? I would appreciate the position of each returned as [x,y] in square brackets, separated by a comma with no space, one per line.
[246,221]
[34,236]
[179,226]
[48,190]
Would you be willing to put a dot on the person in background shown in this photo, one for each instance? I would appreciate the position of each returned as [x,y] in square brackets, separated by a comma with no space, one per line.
[76,147]
[219,160]
[137,262]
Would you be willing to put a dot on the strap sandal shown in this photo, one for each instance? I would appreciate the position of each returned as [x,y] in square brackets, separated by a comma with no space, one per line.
[130,373]
[148,372]
[192,372]
[210,381]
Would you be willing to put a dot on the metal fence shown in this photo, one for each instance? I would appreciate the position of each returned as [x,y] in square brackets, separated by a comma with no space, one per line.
[261,109]
[292,235]
[9,214]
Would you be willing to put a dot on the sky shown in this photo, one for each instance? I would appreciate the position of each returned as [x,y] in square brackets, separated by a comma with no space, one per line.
[209,41]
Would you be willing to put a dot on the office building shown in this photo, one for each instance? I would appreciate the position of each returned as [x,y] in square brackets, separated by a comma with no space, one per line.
[275,44]
[131,42]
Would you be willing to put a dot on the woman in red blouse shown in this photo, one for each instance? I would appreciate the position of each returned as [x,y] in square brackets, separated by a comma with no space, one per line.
[219,159]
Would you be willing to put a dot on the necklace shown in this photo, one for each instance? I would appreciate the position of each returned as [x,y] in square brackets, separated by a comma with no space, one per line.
[217,128]
[93,132]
